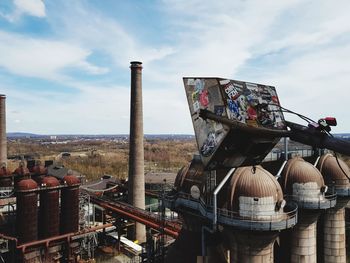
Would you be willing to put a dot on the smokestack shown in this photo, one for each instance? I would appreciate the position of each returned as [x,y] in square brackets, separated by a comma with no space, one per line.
[3,140]
[136,181]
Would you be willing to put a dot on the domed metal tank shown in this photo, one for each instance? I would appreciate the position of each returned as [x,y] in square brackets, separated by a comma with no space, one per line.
[5,177]
[38,172]
[27,211]
[21,172]
[304,183]
[49,217]
[255,200]
[255,193]
[190,179]
[70,205]
[334,175]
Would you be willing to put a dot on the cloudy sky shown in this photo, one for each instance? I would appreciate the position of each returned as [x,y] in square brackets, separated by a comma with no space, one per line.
[64,65]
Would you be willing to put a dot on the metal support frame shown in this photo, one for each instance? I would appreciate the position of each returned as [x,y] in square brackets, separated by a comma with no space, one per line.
[216,191]
[278,175]
[285,149]
[89,242]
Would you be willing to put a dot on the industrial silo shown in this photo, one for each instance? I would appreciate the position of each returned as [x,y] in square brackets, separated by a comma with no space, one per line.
[38,172]
[20,173]
[70,205]
[304,184]
[336,175]
[49,208]
[190,183]
[255,201]
[27,211]
[5,177]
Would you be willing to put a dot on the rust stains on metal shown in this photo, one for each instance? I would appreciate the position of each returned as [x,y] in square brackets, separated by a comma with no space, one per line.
[70,205]
[253,182]
[27,211]
[49,208]
[5,177]
[331,171]
[297,170]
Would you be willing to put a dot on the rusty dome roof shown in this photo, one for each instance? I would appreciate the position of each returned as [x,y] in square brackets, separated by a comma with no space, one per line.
[193,170]
[39,170]
[21,170]
[297,170]
[4,172]
[246,182]
[71,180]
[50,181]
[26,184]
[331,171]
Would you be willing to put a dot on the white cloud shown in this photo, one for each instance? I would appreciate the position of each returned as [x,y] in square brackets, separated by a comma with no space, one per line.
[31,7]
[34,8]
[302,47]
[88,27]
[42,58]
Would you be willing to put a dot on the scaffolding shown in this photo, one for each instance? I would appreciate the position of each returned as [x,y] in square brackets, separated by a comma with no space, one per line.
[89,241]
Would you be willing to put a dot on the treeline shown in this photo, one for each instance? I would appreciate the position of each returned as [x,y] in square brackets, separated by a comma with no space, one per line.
[95,158]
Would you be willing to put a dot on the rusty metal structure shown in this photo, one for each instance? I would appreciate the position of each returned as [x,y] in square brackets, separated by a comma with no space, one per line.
[237,124]
[30,230]
[231,208]
[38,172]
[5,177]
[27,211]
[70,205]
[49,217]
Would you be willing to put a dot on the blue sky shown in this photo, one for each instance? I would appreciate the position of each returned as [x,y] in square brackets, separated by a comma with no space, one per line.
[64,65]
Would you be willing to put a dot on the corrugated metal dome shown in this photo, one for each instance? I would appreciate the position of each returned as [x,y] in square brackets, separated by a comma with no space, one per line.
[250,182]
[26,184]
[297,170]
[331,171]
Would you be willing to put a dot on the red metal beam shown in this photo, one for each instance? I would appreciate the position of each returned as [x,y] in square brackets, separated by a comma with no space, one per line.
[68,236]
[137,217]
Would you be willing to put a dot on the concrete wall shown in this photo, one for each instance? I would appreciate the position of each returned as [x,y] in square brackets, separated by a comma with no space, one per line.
[334,236]
[252,247]
[307,192]
[304,238]
[259,208]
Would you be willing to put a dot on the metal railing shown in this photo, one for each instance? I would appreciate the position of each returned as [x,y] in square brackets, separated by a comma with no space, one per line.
[321,202]
[282,220]
[277,154]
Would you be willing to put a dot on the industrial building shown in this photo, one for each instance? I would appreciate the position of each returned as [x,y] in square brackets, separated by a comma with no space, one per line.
[236,201]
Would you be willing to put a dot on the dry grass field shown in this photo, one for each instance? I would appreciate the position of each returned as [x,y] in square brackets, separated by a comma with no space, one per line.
[94,158]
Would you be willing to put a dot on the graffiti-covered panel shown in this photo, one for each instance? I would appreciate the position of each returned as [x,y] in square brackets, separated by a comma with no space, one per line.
[205,94]
[252,104]
[249,103]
